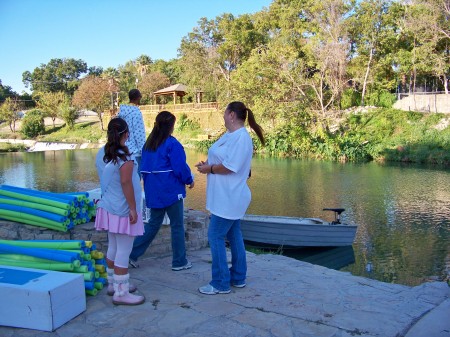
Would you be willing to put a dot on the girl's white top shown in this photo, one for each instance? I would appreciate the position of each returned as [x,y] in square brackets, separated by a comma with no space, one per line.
[228,195]
[113,199]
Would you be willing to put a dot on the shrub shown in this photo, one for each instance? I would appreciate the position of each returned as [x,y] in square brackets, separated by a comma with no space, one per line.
[184,124]
[350,97]
[69,115]
[33,124]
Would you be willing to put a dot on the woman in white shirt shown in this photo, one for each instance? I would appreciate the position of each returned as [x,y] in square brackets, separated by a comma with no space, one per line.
[228,197]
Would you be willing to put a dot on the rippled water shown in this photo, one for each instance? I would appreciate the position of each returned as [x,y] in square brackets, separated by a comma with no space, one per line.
[403,212]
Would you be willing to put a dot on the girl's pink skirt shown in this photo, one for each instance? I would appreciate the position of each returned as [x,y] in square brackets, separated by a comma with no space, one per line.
[118,224]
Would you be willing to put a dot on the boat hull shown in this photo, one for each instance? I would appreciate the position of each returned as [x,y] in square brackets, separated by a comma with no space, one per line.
[296,232]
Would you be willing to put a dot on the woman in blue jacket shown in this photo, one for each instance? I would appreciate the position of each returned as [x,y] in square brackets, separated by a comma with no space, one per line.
[165,174]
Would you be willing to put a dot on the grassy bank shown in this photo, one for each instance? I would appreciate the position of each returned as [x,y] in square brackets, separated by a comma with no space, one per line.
[380,134]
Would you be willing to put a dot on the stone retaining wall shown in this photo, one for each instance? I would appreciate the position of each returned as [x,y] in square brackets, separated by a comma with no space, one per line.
[196,223]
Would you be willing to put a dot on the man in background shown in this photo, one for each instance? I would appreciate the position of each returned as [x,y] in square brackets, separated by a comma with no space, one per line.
[133,116]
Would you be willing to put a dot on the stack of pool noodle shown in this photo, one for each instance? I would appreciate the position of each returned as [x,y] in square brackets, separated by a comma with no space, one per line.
[75,256]
[58,211]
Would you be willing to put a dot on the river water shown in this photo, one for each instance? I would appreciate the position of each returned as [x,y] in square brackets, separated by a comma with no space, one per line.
[402,211]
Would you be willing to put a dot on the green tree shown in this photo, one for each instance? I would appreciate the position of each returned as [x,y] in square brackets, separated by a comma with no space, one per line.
[428,24]
[373,33]
[68,114]
[49,103]
[214,49]
[9,112]
[57,75]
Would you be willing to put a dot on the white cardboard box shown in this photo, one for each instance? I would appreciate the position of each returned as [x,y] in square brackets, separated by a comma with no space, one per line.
[39,299]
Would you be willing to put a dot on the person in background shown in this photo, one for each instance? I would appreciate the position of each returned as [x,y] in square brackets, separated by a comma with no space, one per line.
[165,174]
[228,197]
[133,116]
[119,210]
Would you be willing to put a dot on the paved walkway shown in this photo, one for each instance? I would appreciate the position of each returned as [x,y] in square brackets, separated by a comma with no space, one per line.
[283,297]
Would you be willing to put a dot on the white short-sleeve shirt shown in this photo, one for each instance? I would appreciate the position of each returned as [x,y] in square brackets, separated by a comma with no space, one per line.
[228,195]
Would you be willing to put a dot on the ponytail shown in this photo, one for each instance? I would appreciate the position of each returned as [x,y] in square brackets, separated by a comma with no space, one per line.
[255,126]
[241,112]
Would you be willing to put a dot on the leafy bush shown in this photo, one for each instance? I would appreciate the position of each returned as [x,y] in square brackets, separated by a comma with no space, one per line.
[350,98]
[33,124]
[69,115]
[185,124]
[380,98]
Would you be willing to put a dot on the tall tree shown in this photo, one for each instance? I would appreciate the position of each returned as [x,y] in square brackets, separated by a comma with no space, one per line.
[371,30]
[9,111]
[150,83]
[215,49]
[56,75]
[94,94]
[50,103]
[428,22]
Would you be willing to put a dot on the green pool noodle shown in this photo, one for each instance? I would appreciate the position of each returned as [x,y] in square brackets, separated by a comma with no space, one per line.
[21,215]
[91,292]
[96,274]
[88,276]
[98,285]
[28,258]
[36,205]
[35,199]
[38,223]
[87,257]
[69,245]
[81,269]
[56,266]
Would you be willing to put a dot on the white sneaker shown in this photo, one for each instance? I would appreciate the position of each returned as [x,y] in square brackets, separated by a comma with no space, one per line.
[188,265]
[210,290]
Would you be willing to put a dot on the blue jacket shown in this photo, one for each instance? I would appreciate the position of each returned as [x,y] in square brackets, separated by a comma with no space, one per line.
[165,174]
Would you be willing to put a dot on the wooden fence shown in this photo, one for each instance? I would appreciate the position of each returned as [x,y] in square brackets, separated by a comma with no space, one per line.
[210,106]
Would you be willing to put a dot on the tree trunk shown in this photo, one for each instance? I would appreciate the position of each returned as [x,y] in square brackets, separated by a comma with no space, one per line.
[366,76]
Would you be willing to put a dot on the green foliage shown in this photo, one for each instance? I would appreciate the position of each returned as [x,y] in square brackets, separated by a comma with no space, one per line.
[33,124]
[186,124]
[57,75]
[395,135]
[85,132]
[8,147]
[69,114]
[350,97]
[381,98]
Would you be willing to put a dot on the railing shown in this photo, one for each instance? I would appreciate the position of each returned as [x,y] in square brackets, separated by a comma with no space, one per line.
[180,107]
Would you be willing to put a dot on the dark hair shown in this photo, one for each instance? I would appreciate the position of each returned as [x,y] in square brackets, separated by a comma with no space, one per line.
[164,123]
[134,94]
[117,127]
[241,112]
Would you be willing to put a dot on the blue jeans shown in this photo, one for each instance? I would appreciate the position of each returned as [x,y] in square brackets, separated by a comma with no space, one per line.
[222,277]
[175,212]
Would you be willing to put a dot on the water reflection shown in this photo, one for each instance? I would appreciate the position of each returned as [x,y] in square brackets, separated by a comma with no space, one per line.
[402,212]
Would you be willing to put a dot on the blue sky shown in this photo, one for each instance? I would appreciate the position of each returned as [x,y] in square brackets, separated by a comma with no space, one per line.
[103,33]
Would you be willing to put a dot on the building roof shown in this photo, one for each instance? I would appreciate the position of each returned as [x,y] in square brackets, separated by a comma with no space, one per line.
[173,88]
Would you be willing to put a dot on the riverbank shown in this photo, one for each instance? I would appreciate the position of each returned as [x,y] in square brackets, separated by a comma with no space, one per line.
[283,297]
[36,146]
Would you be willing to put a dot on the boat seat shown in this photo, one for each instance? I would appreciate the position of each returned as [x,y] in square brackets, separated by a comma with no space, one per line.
[337,214]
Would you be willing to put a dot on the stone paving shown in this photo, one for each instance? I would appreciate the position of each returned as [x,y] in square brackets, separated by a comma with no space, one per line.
[283,297]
